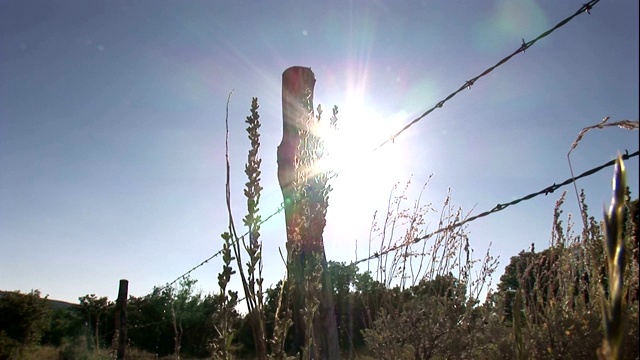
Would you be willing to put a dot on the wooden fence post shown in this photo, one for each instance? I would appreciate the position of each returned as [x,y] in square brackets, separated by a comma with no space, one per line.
[121,319]
[297,92]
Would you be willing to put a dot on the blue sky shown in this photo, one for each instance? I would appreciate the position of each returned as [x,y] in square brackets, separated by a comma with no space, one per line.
[112,124]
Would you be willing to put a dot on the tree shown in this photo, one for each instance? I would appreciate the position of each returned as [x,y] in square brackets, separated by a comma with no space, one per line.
[24,318]
[66,323]
[185,306]
[178,320]
[146,323]
[511,280]
[429,320]
[342,278]
[95,308]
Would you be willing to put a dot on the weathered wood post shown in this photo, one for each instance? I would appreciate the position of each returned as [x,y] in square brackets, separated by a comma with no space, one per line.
[121,319]
[303,243]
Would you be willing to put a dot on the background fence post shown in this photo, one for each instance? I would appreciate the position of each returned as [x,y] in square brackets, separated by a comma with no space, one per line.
[121,319]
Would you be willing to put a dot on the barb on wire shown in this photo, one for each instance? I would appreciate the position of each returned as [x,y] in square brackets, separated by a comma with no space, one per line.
[500,207]
[467,85]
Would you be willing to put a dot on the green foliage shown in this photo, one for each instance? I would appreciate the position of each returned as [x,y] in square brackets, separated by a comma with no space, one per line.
[149,325]
[531,274]
[66,324]
[170,319]
[95,309]
[343,279]
[438,315]
[24,318]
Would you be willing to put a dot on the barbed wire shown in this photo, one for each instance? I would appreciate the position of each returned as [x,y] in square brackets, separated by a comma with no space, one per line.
[500,207]
[168,285]
[467,85]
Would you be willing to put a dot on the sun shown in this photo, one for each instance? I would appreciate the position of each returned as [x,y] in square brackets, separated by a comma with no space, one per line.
[362,178]
[350,154]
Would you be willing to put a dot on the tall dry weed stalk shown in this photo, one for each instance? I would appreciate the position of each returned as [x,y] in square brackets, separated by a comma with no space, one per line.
[251,276]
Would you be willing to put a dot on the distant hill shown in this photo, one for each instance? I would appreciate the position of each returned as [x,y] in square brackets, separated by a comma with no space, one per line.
[55,304]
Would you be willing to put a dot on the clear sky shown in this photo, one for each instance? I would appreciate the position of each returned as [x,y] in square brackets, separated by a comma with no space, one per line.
[112,124]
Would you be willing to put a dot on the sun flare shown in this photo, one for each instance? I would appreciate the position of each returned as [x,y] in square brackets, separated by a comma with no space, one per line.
[350,149]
